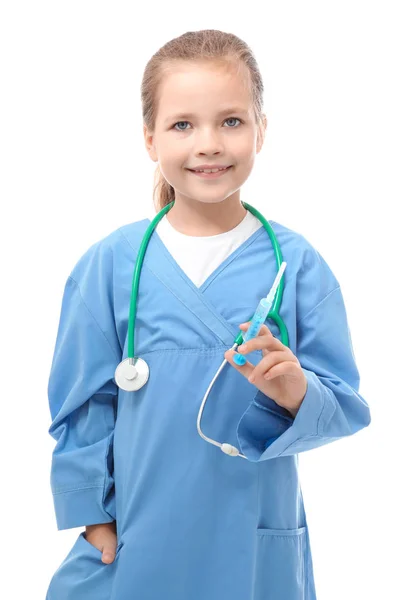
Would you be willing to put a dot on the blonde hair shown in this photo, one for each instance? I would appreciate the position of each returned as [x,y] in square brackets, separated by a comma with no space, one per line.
[208,45]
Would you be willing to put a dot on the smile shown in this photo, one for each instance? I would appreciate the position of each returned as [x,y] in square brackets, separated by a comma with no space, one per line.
[209,175]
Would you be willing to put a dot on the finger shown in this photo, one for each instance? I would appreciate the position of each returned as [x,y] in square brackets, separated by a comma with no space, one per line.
[270,362]
[263,329]
[108,555]
[284,368]
[265,341]
[245,369]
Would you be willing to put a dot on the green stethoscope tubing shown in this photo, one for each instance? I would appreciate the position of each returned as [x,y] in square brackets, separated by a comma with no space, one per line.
[273,313]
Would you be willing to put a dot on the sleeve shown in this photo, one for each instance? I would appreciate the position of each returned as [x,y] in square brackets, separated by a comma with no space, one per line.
[332,407]
[82,398]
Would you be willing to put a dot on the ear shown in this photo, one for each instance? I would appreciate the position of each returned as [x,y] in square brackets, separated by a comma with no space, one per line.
[149,143]
[261,133]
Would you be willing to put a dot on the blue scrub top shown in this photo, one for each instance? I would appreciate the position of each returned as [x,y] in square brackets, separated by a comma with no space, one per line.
[192,522]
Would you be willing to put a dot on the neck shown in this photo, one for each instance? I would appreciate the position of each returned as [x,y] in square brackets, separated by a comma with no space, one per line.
[201,219]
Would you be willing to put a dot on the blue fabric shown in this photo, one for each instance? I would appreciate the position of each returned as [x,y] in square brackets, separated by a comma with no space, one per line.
[192,522]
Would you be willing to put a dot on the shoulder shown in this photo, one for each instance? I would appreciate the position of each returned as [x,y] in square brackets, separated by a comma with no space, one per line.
[102,256]
[309,267]
[293,240]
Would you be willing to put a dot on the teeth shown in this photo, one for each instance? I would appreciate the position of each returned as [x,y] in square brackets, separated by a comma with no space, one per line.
[210,170]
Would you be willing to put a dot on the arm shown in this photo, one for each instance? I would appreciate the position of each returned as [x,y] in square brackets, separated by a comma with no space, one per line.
[82,399]
[332,407]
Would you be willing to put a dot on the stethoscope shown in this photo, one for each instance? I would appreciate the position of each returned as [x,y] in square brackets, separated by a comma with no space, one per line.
[133,372]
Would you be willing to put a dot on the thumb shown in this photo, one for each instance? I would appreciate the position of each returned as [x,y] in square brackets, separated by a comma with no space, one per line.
[108,555]
[245,369]
[248,367]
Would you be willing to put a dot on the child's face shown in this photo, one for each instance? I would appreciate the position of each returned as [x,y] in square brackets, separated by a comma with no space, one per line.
[180,141]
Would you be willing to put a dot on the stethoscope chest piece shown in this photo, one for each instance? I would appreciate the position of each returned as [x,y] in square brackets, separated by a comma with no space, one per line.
[131,377]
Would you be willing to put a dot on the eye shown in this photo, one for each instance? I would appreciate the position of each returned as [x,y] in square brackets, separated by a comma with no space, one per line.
[228,119]
[233,119]
[178,123]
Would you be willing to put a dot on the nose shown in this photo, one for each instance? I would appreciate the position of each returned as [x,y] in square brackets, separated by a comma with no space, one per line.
[208,141]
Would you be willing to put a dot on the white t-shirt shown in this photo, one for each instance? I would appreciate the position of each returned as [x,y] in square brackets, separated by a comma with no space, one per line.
[198,257]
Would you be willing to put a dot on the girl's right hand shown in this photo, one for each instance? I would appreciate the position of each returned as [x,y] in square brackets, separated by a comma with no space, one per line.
[103,537]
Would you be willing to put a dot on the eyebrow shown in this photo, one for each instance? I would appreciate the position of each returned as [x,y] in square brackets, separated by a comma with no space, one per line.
[176,117]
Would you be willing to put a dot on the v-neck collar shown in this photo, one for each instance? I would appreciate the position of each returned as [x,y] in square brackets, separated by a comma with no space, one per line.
[173,277]
[200,289]
[160,262]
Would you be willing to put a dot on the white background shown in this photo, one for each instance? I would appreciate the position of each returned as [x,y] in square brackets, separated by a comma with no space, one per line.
[74,168]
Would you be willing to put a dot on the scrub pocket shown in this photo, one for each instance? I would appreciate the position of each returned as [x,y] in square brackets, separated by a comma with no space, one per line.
[82,575]
[280,564]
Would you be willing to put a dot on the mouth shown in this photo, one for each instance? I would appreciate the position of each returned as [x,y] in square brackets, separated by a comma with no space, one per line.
[210,175]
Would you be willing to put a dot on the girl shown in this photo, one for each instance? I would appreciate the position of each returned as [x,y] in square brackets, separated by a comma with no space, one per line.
[166,514]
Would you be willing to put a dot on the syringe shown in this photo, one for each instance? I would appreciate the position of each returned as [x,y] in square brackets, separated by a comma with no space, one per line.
[260,315]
